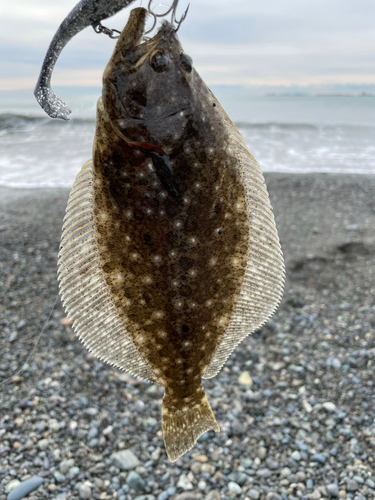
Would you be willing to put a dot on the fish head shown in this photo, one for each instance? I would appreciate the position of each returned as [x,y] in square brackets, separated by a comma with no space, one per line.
[147,86]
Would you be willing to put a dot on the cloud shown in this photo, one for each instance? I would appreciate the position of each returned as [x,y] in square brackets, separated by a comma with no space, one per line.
[232,43]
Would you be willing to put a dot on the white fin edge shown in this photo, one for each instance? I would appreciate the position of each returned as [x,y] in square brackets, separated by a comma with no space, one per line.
[83,289]
[263,283]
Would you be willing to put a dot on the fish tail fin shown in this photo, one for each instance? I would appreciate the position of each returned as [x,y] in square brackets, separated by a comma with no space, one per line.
[183,424]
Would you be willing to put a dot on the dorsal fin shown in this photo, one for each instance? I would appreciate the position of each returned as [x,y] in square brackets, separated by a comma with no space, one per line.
[263,283]
[84,293]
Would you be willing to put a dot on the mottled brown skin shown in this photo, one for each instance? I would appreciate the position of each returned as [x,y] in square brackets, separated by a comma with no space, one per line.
[171,220]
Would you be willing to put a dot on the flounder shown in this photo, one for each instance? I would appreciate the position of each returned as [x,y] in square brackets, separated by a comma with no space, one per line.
[169,255]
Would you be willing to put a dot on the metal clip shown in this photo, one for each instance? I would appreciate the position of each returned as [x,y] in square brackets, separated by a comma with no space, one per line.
[99,28]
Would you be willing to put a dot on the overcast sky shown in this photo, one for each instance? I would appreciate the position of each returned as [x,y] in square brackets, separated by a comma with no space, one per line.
[232,42]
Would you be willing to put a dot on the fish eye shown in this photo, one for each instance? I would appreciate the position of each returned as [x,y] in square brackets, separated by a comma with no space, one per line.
[159,62]
[186,62]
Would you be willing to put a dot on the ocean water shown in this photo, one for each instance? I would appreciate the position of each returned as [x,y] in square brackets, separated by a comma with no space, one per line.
[285,133]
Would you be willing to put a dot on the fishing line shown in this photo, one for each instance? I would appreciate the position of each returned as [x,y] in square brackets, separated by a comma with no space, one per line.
[34,348]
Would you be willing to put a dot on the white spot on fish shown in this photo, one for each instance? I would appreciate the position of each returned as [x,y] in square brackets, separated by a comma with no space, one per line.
[134,256]
[104,216]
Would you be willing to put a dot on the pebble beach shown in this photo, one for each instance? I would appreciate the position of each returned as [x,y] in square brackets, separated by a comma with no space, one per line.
[295,402]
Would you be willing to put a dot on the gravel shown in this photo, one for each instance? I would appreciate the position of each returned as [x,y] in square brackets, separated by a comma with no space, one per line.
[303,428]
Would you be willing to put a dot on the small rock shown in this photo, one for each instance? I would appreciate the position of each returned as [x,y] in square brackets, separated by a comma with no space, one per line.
[73,472]
[336,364]
[253,493]
[93,432]
[135,481]
[273,496]
[58,476]
[184,483]
[155,455]
[24,488]
[264,473]
[272,463]
[234,488]
[329,406]
[65,465]
[262,452]
[342,494]
[11,485]
[320,458]
[185,496]
[301,445]
[18,422]
[285,472]
[237,428]
[213,495]
[208,469]
[333,490]
[163,496]
[352,485]
[85,491]
[139,406]
[67,322]
[201,458]
[296,455]
[359,479]
[125,460]
[202,485]
[43,444]
[12,337]
[245,379]
[315,495]
[306,406]
[150,422]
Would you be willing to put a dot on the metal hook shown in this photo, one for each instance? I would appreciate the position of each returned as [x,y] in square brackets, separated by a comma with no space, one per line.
[173,9]
[183,17]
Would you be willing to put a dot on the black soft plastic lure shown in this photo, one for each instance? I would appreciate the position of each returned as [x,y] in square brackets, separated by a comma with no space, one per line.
[85,13]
